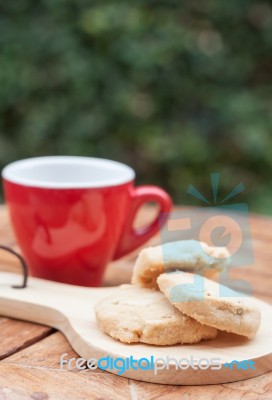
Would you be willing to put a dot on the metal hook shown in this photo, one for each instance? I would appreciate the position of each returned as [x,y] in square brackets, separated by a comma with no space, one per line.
[23,263]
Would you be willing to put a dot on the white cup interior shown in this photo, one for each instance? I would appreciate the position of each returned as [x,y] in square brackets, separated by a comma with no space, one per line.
[67,172]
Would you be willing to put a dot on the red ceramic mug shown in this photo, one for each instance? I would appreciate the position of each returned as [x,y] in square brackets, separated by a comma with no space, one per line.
[72,215]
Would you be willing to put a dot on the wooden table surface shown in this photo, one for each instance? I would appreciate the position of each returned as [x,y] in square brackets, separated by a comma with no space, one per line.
[29,353]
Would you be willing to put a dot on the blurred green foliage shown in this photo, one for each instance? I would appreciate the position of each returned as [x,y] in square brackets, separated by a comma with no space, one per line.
[176,89]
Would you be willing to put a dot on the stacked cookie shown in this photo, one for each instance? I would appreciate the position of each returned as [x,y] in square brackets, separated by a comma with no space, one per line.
[171,300]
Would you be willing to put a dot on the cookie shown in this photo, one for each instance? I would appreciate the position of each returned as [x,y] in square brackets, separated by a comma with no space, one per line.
[185,255]
[210,303]
[144,315]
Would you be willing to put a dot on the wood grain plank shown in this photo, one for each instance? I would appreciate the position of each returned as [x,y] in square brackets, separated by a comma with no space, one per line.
[44,354]
[16,335]
[250,389]
[33,383]
[32,372]
[6,232]
[260,282]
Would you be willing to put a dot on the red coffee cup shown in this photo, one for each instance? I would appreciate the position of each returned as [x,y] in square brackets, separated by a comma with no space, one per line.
[73,215]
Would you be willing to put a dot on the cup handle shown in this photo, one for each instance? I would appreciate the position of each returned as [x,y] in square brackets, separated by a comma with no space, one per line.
[132,238]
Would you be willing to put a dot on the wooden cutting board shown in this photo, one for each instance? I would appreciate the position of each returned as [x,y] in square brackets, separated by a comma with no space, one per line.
[70,310]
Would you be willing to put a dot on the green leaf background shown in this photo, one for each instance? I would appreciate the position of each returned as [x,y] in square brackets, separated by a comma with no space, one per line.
[176,89]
